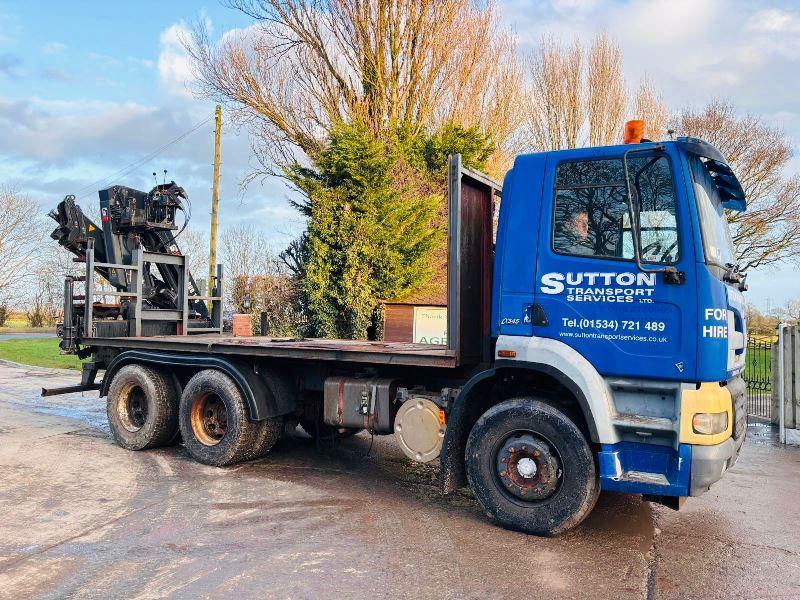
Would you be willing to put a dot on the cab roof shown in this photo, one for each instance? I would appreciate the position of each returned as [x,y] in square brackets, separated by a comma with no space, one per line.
[731,192]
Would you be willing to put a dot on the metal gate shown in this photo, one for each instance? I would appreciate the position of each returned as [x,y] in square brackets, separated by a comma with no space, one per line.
[758,376]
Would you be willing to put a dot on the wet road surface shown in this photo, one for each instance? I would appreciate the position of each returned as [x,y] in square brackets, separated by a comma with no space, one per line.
[84,518]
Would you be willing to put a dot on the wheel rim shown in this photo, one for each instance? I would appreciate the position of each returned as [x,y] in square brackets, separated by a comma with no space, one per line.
[209,419]
[132,408]
[528,467]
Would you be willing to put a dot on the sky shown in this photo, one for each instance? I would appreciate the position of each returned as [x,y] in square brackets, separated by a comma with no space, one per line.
[88,89]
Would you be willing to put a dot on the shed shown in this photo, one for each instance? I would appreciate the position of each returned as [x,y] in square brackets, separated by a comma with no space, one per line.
[421,317]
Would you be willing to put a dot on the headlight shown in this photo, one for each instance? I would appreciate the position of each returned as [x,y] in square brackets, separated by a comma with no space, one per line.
[710,423]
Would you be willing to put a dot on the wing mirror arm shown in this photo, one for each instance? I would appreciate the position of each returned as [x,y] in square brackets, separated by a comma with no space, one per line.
[671,274]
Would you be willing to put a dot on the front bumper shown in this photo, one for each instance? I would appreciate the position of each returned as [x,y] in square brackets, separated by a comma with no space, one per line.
[664,471]
[709,464]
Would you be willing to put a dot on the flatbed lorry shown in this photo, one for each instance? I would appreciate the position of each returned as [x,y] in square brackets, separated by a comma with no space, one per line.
[596,341]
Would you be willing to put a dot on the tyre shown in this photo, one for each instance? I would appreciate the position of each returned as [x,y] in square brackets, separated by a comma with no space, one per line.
[269,432]
[142,408]
[214,420]
[531,468]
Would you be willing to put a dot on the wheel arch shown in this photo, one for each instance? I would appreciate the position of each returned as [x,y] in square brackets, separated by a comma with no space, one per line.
[268,393]
[466,411]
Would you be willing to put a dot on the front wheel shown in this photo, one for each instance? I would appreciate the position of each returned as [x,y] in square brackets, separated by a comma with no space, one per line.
[531,468]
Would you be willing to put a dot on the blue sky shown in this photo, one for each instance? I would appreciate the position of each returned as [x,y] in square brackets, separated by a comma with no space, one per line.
[95,86]
[88,87]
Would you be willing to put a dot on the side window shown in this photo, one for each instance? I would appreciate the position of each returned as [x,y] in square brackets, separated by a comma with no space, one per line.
[590,204]
[591,209]
[654,199]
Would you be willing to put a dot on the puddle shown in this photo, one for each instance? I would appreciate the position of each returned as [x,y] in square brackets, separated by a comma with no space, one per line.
[759,432]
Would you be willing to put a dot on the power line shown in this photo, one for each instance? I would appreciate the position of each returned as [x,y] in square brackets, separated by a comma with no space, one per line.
[132,166]
[100,183]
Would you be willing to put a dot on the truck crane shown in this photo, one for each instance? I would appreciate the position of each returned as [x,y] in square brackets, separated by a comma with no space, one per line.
[596,338]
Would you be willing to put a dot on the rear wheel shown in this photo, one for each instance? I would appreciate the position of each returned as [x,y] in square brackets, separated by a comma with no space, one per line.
[531,468]
[214,421]
[142,408]
[269,432]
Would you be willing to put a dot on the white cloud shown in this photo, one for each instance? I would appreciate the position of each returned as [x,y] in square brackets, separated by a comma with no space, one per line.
[49,130]
[773,20]
[103,61]
[574,5]
[10,29]
[174,65]
[174,62]
[53,48]
[744,50]
[141,62]
[665,21]
[56,74]
[54,147]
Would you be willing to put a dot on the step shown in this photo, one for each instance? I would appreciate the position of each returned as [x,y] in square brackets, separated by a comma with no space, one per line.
[643,423]
[643,477]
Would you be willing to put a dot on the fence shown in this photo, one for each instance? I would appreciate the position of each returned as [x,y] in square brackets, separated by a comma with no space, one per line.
[758,377]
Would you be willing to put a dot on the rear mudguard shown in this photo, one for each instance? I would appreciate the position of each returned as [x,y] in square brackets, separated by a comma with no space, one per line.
[268,393]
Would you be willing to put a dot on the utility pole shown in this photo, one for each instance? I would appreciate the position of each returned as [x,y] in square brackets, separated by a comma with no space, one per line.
[212,255]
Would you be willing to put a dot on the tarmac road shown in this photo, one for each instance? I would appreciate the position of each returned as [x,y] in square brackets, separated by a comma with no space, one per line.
[84,518]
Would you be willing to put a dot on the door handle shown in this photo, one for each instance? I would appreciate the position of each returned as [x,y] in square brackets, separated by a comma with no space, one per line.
[535,315]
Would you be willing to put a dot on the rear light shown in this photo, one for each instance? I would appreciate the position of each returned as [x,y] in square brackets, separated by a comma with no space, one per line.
[710,423]
[507,353]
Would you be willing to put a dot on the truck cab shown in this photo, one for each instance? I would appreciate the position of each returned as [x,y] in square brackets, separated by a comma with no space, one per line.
[615,272]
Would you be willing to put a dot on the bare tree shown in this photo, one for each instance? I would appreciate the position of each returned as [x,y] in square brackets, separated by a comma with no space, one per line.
[769,231]
[607,92]
[44,295]
[577,95]
[649,106]
[765,324]
[245,254]
[20,237]
[255,271]
[306,64]
[245,251]
[194,244]
[554,108]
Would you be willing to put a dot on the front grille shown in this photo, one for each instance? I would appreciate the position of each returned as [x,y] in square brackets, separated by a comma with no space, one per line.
[738,391]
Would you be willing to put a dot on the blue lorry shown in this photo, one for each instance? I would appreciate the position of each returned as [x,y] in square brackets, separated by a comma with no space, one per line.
[596,341]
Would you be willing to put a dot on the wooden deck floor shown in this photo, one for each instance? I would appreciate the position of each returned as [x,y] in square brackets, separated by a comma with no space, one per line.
[400,353]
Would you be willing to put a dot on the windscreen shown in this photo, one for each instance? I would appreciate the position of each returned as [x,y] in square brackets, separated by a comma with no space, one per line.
[717,241]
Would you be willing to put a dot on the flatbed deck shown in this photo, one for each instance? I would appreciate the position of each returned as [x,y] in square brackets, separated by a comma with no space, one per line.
[356,351]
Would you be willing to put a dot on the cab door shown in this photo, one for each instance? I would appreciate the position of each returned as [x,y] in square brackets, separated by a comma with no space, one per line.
[624,321]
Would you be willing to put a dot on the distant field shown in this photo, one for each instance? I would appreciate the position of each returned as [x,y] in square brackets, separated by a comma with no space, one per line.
[39,352]
[760,337]
[17,323]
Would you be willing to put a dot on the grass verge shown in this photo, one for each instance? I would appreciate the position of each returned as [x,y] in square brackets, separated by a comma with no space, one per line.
[18,323]
[39,352]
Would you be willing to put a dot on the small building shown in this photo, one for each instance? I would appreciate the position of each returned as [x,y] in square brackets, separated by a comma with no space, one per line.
[420,318]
